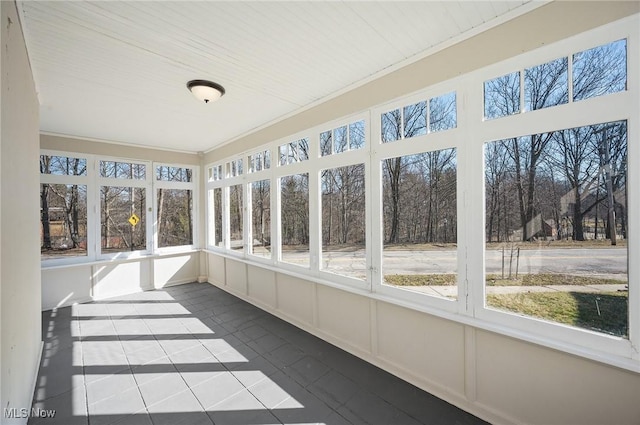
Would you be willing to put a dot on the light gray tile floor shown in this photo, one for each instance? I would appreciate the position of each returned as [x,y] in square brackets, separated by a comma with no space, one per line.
[193,354]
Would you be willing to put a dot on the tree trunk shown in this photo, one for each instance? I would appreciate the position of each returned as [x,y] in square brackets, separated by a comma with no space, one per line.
[44,215]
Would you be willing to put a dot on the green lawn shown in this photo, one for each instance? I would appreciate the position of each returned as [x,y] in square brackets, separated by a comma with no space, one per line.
[571,308]
[543,279]
[421,279]
[495,280]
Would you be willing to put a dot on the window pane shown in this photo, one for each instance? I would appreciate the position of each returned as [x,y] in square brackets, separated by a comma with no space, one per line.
[175,222]
[343,221]
[217,213]
[283,152]
[63,166]
[122,170]
[546,85]
[303,149]
[391,126]
[117,206]
[502,96]
[600,70]
[261,218]
[442,112]
[325,143]
[173,174]
[267,160]
[340,143]
[356,135]
[293,153]
[420,223]
[558,251]
[239,167]
[236,213]
[63,220]
[294,219]
[415,120]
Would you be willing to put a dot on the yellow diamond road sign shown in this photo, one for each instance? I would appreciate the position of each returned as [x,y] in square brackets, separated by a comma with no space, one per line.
[134,219]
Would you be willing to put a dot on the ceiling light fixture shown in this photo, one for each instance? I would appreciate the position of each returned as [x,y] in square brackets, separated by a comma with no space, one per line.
[207,91]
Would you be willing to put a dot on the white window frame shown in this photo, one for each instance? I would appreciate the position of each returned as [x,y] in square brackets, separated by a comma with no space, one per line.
[145,184]
[428,142]
[607,108]
[93,181]
[195,196]
[85,180]
[469,136]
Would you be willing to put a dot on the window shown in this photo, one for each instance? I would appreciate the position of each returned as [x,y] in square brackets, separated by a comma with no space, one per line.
[216,173]
[599,71]
[295,151]
[595,72]
[94,207]
[344,221]
[259,161]
[63,207]
[438,114]
[63,165]
[342,139]
[175,188]
[261,218]
[217,209]
[550,261]
[236,217]
[546,85]
[294,219]
[556,226]
[118,206]
[234,168]
[63,218]
[502,96]
[122,170]
[442,112]
[420,223]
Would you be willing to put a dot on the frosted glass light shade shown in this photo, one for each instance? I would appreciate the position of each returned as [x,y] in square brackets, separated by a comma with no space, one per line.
[206,91]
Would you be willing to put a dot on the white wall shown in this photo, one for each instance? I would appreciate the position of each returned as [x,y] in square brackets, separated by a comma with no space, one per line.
[20,333]
[78,283]
[498,378]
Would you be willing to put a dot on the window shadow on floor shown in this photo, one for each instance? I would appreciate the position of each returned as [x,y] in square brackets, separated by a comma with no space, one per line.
[194,354]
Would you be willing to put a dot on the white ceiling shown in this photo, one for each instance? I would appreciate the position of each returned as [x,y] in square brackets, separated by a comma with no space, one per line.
[117,71]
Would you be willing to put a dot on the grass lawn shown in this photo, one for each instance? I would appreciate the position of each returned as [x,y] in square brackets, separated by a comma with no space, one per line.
[495,280]
[571,308]
[421,279]
[543,279]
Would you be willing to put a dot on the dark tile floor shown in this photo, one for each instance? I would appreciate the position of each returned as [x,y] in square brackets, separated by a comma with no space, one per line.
[193,354]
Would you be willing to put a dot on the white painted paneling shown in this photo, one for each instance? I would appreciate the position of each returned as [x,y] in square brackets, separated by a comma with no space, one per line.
[65,286]
[295,298]
[236,275]
[124,278]
[262,286]
[216,269]
[344,316]
[173,270]
[428,347]
[542,386]
[117,70]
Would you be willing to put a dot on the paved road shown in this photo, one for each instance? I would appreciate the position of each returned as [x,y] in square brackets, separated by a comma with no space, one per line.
[607,262]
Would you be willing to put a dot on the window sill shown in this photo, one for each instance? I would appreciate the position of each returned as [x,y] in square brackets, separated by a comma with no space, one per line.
[92,262]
